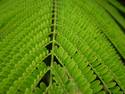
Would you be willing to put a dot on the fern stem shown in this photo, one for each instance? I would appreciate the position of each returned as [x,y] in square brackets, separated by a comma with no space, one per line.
[53,37]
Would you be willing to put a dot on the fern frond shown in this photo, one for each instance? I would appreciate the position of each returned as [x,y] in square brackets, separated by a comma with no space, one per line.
[62,47]
[112,11]
[117,5]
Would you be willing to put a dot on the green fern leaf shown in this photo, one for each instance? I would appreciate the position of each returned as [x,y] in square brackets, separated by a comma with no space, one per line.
[62,47]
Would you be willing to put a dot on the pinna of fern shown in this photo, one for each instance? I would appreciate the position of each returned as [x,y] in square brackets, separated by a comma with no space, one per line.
[62,47]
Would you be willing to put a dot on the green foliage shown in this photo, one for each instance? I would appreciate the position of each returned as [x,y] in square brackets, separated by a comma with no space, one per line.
[62,47]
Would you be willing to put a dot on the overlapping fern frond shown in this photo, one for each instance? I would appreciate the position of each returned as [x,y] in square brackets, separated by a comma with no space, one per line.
[62,47]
